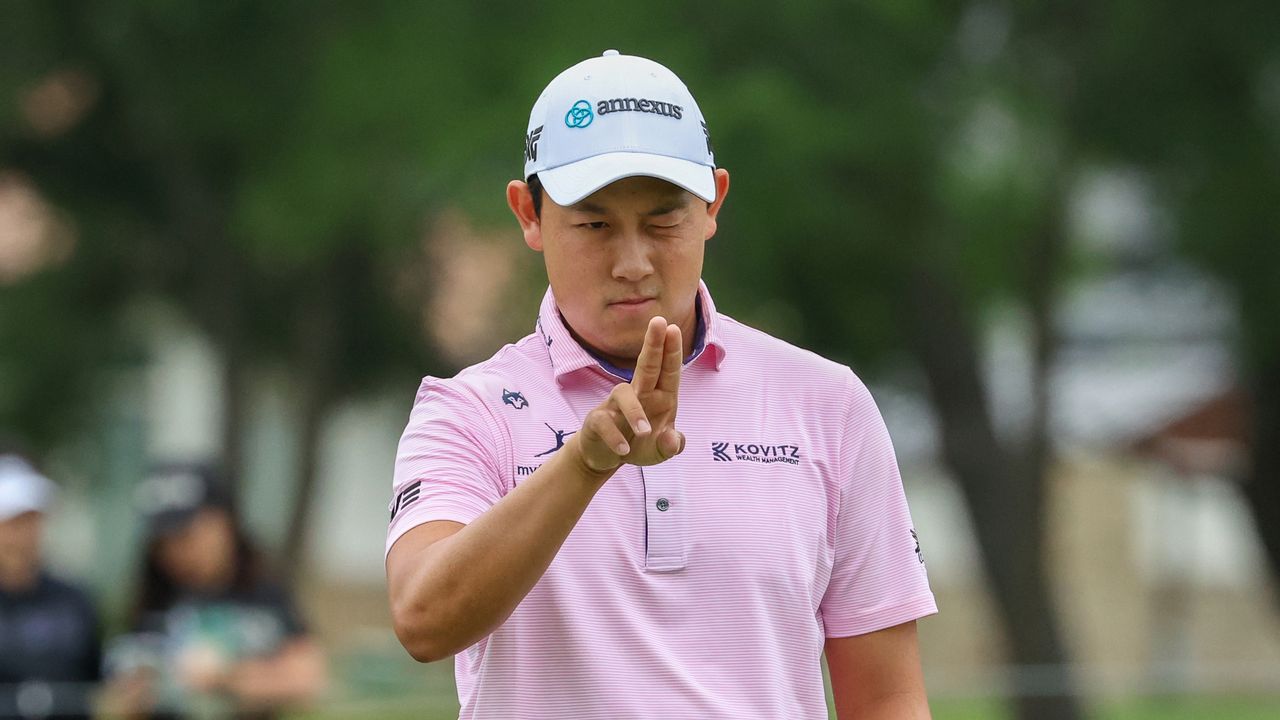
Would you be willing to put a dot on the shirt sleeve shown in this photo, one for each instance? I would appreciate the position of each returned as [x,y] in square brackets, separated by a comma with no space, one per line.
[447,465]
[878,577]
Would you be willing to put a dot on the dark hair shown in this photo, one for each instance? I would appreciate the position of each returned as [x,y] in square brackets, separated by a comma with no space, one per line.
[535,189]
[157,592]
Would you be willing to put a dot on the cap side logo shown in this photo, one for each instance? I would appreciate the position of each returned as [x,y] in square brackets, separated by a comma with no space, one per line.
[580,115]
[531,144]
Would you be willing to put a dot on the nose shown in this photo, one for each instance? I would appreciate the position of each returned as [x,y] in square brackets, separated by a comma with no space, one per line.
[632,257]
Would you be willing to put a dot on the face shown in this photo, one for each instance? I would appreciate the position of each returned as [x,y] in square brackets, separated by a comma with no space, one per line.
[20,539]
[201,555]
[630,251]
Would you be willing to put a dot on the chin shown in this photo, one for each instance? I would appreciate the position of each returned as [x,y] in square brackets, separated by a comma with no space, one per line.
[615,347]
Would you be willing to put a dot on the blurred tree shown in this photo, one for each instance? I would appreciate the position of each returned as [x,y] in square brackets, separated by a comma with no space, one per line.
[1191,94]
[189,180]
[60,294]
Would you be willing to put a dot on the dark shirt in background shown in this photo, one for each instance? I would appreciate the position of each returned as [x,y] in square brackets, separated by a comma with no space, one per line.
[50,651]
[237,625]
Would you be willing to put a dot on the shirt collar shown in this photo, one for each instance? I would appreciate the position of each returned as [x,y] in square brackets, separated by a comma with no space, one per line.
[567,356]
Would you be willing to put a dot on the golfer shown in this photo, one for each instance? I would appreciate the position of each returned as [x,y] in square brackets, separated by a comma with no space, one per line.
[647,509]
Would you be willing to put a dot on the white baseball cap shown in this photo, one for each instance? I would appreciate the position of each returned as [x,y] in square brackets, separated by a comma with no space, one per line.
[613,117]
[22,489]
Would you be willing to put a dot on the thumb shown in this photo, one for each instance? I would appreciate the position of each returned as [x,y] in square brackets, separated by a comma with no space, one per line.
[671,443]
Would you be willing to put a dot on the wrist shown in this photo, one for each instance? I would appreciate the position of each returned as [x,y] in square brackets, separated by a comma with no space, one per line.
[582,467]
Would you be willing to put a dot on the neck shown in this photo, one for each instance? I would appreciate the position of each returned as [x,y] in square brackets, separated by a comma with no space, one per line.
[17,574]
[689,330]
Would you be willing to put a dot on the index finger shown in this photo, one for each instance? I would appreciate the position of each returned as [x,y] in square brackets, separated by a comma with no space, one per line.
[672,360]
[649,364]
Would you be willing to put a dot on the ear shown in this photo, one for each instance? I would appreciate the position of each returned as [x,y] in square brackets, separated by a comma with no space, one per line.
[713,209]
[520,200]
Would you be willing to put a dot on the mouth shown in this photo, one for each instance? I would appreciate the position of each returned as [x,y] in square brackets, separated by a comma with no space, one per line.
[634,302]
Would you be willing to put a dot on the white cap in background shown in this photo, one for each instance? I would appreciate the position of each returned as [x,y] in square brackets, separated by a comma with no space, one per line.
[22,489]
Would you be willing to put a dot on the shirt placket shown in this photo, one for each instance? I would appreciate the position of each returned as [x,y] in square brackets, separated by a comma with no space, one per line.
[666,519]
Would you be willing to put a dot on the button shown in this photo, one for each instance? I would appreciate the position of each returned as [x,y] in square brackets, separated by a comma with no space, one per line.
[609,53]
[663,504]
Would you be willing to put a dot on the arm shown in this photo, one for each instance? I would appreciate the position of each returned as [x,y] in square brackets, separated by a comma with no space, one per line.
[296,674]
[877,675]
[129,695]
[451,584]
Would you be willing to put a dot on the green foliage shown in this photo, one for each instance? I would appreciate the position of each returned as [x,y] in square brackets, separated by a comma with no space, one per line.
[257,163]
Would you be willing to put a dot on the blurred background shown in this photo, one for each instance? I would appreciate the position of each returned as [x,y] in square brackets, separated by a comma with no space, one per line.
[1046,235]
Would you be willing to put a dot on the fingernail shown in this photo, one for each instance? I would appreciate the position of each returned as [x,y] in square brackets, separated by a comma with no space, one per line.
[643,427]
[623,448]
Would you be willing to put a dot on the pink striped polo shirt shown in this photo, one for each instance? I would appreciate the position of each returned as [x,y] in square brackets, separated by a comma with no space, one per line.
[702,587]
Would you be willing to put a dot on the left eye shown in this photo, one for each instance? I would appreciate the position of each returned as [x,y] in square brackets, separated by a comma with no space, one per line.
[594,225]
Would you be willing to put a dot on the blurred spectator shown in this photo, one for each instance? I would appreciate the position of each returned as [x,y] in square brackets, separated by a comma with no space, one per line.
[211,632]
[49,643]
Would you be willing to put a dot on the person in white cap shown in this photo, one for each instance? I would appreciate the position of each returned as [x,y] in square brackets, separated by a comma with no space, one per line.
[585,555]
[50,649]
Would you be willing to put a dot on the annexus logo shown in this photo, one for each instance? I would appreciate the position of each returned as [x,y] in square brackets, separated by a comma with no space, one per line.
[406,496]
[531,144]
[514,399]
[580,115]
[656,107]
[755,452]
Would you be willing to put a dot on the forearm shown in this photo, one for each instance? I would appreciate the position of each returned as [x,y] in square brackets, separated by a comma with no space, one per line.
[295,675]
[464,586]
[878,675]
[898,706]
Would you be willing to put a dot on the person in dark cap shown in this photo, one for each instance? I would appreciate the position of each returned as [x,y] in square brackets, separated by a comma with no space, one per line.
[212,632]
[49,635]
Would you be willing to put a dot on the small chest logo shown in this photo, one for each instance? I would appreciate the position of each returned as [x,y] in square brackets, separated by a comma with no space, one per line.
[755,452]
[560,436]
[514,399]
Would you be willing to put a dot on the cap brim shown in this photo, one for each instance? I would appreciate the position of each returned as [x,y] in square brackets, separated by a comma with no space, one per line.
[13,510]
[570,183]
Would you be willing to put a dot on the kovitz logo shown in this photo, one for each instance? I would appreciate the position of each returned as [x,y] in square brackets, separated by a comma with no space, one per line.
[755,452]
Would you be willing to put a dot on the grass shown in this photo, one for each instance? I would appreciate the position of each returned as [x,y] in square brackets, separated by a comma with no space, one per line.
[388,686]
[435,707]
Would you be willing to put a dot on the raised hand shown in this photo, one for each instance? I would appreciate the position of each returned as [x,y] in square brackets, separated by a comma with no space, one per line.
[636,423]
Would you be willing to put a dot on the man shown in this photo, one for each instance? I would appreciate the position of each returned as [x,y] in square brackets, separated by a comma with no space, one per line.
[49,644]
[644,567]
